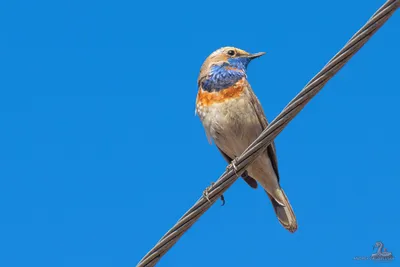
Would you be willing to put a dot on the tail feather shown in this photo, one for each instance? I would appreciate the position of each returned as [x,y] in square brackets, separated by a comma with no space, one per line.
[284,211]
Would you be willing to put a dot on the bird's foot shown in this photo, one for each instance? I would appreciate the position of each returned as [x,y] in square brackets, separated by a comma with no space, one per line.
[223,200]
[233,166]
[206,193]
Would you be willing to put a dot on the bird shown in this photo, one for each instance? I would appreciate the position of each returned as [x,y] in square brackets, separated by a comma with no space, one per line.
[233,118]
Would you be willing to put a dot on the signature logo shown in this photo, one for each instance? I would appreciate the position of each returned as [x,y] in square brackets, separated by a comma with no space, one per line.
[379,254]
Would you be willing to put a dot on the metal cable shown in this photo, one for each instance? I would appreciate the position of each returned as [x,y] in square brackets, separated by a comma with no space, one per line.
[268,135]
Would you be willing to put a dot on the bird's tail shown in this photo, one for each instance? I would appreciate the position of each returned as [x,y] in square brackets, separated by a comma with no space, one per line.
[284,211]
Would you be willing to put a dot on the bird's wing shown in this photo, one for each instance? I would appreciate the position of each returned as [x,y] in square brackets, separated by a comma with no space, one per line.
[249,180]
[264,123]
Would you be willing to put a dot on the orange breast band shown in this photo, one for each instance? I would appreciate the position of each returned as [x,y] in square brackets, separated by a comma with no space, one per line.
[205,98]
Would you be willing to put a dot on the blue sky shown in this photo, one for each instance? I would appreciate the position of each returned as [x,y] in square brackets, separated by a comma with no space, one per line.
[100,151]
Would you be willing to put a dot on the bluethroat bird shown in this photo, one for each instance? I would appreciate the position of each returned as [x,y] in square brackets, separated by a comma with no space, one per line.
[232,116]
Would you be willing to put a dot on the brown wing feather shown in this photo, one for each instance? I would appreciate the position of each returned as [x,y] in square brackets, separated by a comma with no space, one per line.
[264,123]
[249,180]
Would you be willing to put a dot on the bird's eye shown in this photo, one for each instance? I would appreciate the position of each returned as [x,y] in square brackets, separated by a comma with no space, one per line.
[231,52]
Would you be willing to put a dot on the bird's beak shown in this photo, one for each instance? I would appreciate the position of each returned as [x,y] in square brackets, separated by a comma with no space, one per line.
[256,55]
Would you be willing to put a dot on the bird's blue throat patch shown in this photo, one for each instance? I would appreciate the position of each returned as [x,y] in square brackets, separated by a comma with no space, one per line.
[225,75]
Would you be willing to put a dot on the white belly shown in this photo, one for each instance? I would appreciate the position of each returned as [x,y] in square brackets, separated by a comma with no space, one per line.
[233,125]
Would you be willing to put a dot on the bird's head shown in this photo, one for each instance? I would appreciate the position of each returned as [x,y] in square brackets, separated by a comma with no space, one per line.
[226,64]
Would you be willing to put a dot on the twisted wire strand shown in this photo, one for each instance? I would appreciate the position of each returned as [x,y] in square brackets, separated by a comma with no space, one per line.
[268,135]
